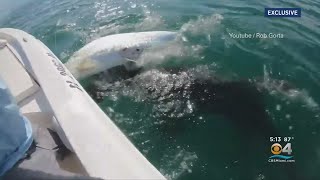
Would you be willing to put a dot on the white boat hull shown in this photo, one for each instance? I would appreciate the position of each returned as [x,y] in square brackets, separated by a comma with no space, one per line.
[46,86]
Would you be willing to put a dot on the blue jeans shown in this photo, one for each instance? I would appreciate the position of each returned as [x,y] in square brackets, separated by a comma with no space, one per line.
[15,131]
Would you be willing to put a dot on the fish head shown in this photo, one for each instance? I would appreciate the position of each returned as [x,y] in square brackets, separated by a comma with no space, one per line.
[131,53]
[139,42]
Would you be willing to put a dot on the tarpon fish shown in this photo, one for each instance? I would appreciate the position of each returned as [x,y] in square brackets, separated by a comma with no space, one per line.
[114,50]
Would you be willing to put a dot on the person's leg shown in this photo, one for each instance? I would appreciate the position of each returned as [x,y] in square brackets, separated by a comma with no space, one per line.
[15,131]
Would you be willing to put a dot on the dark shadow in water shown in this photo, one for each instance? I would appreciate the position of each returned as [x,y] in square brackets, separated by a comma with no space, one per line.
[239,102]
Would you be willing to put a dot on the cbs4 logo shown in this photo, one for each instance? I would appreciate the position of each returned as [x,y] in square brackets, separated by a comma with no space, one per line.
[276,149]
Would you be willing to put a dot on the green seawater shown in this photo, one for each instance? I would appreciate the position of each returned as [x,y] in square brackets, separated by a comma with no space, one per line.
[202,145]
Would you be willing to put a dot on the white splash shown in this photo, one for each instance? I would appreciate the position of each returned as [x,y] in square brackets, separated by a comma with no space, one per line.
[203,25]
[283,88]
[182,162]
[150,22]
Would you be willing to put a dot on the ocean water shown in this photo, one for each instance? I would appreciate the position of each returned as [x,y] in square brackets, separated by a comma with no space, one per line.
[181,139]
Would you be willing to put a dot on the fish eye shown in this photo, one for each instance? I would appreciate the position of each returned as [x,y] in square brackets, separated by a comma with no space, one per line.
[138,49]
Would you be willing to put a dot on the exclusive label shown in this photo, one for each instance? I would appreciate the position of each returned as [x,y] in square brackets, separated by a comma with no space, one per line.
[282,12]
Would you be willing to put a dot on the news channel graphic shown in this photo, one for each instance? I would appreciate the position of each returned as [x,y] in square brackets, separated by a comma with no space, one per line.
[282,12]
[281,150]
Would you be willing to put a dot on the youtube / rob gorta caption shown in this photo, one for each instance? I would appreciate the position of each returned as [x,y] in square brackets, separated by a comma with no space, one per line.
[256,35]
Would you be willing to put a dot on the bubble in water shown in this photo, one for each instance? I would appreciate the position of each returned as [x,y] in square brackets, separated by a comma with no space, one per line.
[261,177]
[133,5]
[288,116]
